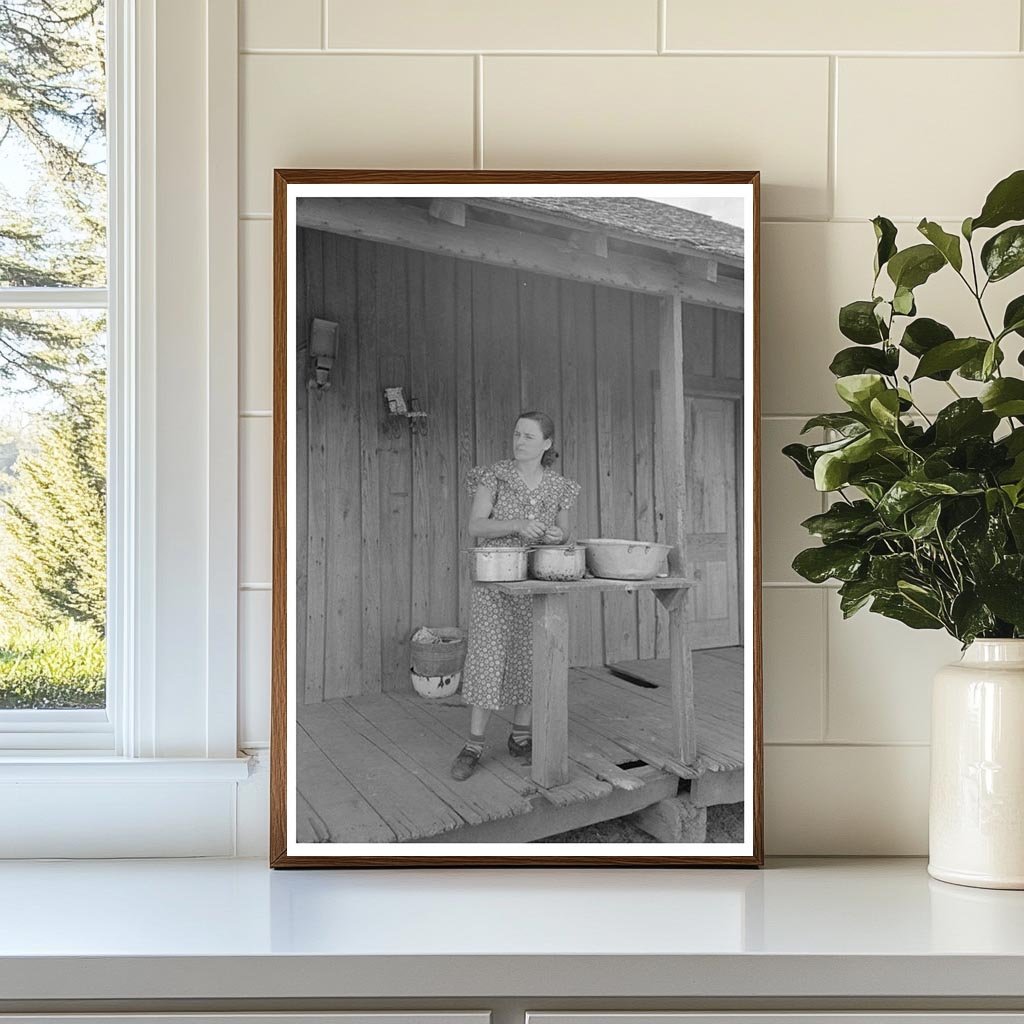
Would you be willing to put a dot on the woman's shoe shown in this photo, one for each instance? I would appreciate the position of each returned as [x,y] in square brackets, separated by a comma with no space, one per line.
[517,749]
[465,763]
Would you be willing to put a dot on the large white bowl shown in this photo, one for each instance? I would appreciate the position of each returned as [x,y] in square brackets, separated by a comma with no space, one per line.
[625,559]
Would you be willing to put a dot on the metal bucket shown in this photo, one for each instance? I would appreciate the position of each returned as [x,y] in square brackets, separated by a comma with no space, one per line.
[558,562]
[494,564]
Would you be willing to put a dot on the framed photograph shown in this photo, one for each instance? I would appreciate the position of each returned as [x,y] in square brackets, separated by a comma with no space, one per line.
[516,562]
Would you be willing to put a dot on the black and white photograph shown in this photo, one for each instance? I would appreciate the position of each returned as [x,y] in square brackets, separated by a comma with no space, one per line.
[516,569]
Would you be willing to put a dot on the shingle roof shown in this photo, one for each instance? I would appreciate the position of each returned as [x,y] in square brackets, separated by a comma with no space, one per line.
[641,217]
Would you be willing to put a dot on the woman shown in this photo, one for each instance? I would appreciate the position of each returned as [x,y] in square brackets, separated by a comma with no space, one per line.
[515,502]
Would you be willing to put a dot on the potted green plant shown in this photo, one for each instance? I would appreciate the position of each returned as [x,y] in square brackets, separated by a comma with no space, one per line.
[926,521]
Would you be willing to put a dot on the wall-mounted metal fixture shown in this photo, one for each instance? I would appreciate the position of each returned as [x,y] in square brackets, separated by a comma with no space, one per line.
[399,407]
[323,350]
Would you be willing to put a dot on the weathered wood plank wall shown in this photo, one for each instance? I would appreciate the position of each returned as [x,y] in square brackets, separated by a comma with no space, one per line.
[380,539]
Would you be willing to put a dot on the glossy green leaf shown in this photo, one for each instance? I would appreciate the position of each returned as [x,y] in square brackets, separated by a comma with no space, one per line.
[1004,397]
[885,237]
[964,418]
[831,471]
[857,321]
[903,302]
[971,616]
[841,421]
[925,518]
[974,368]
[1005,597]
[990,360]
[1003,254]
[947,244]
[799,455]
[911,267]
[849,361]
[858,389]
[922,336]
[832,561]
[1005,202]
[887,570]
[843,521]
[904,495]
[902,610]
[885,409]
[854,594]
[1013,316]
[950,355]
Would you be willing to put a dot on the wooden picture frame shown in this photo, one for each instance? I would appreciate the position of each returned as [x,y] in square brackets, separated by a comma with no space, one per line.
[474,296]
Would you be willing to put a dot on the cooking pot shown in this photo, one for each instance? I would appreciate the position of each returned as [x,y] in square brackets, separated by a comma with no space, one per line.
[493,564]
[558,562]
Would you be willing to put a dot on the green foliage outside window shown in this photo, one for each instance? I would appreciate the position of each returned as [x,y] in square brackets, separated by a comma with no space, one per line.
[52,365]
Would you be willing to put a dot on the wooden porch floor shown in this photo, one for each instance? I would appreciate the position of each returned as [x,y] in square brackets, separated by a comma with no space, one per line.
[376,769]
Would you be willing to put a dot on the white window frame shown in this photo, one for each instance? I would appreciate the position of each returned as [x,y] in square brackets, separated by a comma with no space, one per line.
[172,461]
[64,730]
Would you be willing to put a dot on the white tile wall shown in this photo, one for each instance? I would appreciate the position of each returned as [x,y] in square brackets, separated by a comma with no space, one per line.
[470,25]
[350,111]
[254,664]
[873,25]
[255,443]
[260,25]
[256,307]
[700,113]
[908,110]
[794,664]
[969,110]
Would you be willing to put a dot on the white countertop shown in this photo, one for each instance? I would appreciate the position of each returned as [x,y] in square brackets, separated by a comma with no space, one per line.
[234,928]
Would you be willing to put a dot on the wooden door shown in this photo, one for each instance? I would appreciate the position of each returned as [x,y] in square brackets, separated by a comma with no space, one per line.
[712,482]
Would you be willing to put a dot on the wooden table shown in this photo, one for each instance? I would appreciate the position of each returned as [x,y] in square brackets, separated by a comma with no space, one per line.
[551,666]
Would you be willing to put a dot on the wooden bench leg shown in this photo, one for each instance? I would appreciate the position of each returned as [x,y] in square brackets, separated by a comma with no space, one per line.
[684,716]
[550,690]
[713,788]
[676,820]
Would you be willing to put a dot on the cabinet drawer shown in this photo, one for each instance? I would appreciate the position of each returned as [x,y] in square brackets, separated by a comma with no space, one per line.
[354,1017]
[788,1017]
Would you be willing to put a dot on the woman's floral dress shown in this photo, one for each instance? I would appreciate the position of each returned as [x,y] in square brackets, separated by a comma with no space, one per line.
[498,672]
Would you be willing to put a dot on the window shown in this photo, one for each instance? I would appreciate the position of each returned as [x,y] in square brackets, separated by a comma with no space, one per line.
[156,311]
[53,372]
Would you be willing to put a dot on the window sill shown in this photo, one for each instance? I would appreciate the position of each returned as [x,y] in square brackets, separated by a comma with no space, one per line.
[74,766]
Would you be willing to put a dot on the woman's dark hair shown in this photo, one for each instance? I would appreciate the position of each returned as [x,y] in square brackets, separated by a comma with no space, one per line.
[547,428]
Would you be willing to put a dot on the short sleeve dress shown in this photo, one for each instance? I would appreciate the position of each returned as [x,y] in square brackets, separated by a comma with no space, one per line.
[498,672]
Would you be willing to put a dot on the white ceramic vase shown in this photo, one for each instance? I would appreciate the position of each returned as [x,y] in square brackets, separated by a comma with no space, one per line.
[976,813]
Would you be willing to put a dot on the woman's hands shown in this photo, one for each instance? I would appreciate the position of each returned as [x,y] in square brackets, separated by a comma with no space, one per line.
[553,535]
[530,529]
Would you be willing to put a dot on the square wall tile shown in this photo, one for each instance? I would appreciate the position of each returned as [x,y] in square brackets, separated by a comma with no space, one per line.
[255,317]
[254,610]
[269,24]
[962,122]
[846,801]
[868,25]
[880,676]
[794,663]
[693,113]
[471,25]
[808,272]
[787,499]
[255,513]
[351,111]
